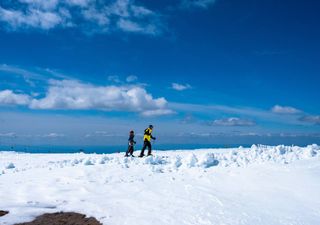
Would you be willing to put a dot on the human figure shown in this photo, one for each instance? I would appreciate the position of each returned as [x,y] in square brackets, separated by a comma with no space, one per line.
[147,141]
[131,144]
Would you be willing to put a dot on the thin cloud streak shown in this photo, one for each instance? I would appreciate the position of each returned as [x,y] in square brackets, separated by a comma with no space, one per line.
[31,76]
[233,122]
[311,119]
[265,115]
[189,4]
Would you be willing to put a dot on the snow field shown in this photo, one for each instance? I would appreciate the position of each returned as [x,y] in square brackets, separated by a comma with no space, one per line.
[259,185]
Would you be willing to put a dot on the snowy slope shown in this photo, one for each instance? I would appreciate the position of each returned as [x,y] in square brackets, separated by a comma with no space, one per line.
[260,185]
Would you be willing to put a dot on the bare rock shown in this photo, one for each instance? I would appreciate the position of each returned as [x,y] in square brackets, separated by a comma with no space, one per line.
[63,218]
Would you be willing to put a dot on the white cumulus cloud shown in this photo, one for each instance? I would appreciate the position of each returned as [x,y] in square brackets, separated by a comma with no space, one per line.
[8,97]
[72,94]
[285,110]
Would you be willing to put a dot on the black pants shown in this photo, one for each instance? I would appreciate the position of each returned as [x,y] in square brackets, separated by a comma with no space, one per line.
[130,150]
[145,145]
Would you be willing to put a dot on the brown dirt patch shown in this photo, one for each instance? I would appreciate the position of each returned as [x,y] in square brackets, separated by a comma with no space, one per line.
[63,218]
[2,213]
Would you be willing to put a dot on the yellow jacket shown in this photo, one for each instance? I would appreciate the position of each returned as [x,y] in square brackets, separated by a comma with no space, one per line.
[147,134]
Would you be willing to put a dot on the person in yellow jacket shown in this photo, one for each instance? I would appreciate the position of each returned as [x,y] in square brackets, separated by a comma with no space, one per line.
[147,141]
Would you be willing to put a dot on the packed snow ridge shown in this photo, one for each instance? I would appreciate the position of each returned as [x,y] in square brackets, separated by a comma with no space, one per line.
[163,161]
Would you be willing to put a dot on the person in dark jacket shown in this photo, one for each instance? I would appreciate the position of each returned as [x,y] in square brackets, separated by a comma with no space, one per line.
[147,141]
[130,144]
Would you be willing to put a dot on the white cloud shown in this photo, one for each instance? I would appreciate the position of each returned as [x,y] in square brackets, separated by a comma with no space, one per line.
[130,26]
[10,135]
[136,27]
[64,92]
[180,87]
[188,119]
[29,77]
[48,4]
[97,17]
[33,18]
[53,135]
[114,78]
[157,112]
[311,119]
[197,3]
[87,15]
[80,3]
[285,110]
[72,94]
[103,134]
[8,97]
[131,78]
[34,78]
[233,121]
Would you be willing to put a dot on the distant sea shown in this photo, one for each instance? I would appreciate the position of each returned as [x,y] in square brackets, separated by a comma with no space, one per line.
[108,149]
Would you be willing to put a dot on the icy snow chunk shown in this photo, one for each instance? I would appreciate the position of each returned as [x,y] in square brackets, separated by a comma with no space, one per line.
[10,166]
[281,150]
[88,162]
[254,147]
[104,159]
[231,156]
[309,152]
[233,153]
[177,162]
[155,160]
[191,160]
[208,160]
[314,147]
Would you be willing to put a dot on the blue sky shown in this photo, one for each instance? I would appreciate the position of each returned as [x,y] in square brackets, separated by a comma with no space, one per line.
[203,71]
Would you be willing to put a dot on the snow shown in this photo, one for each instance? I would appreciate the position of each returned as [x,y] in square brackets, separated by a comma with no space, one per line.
[267,185]
[10,166]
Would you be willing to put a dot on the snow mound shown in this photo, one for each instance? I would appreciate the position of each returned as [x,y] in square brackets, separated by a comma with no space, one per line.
[10,166]
[191,160]
[89,162]
[208,160]
[155,160]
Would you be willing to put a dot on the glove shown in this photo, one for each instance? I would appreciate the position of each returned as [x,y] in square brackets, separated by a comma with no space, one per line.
[153,138]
